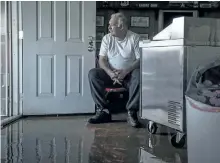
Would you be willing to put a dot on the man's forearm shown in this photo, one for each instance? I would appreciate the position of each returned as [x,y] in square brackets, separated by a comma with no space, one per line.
[104,65]
[135,65]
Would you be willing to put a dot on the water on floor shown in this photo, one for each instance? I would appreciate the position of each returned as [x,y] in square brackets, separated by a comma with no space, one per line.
[72,140]
[3,117]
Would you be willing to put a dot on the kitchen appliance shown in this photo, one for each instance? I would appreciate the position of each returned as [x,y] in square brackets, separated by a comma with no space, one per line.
[167,63]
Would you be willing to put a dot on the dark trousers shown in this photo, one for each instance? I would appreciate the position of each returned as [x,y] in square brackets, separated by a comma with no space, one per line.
[99,80]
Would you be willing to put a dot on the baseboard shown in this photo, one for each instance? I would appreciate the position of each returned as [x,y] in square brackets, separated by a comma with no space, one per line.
[10,120]
[59,115]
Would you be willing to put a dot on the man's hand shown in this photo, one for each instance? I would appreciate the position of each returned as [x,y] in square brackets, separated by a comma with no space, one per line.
[121,74]
[116,81]
[112,74]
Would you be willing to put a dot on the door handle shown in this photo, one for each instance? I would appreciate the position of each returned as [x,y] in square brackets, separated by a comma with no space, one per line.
[91,43]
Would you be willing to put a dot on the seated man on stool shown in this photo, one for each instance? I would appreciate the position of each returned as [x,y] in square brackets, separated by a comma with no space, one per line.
[119,61]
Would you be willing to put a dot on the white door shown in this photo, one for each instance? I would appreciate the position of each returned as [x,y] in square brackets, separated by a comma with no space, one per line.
[56,57]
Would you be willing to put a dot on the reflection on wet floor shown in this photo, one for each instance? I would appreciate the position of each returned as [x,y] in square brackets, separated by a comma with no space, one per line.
[72,140]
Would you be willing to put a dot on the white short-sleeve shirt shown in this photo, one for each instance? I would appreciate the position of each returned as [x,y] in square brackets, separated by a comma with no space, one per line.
[121,54]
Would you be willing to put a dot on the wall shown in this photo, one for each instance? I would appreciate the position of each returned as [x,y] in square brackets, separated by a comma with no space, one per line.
[149,14]
[102,20]
[211,14]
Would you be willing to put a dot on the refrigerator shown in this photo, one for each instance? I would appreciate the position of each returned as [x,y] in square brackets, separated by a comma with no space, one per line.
[167,63]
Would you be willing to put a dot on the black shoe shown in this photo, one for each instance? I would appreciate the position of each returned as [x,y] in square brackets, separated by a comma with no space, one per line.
[100,117]
[133,119]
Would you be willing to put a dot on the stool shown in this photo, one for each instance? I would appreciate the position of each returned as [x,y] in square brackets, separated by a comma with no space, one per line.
[116,90]
[116,105]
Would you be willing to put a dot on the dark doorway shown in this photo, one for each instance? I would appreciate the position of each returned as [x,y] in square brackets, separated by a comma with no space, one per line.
[169,16]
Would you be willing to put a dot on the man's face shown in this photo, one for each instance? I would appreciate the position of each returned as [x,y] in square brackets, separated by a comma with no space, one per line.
[113,27]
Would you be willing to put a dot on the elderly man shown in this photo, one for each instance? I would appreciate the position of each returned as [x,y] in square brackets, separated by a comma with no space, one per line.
[119,60]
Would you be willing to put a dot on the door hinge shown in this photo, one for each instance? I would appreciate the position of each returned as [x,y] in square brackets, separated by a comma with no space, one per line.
[20,35]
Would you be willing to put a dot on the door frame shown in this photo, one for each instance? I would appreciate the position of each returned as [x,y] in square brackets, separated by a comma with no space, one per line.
[15,63]
[20,59]
[16,58]
[161,16]
[7,75]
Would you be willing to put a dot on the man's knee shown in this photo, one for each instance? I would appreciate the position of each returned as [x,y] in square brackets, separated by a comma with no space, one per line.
[93,73]
[136,75]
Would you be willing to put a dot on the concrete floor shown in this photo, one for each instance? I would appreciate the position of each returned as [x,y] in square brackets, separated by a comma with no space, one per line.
[72,140]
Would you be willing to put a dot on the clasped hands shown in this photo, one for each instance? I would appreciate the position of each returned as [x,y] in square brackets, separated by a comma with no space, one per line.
[118,76]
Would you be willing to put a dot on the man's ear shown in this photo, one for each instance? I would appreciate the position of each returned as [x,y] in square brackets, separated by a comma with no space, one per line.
[121,27]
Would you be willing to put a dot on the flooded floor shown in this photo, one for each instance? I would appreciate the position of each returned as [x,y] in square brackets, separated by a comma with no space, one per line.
[72,140]
[3,117]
